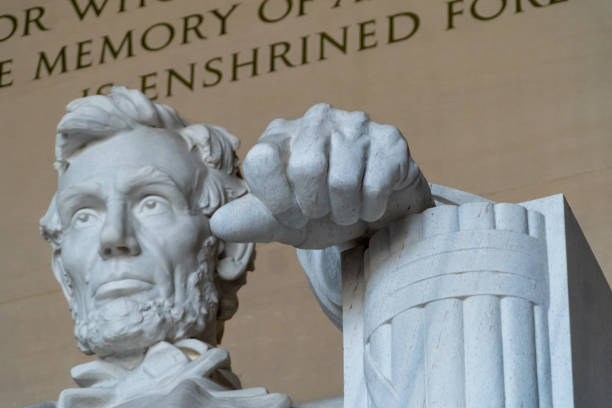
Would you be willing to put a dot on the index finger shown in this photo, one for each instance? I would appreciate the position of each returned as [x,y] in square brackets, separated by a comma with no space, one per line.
[247,219]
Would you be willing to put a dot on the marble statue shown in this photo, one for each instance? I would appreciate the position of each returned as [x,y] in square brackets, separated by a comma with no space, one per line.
[445,299]
[150,277]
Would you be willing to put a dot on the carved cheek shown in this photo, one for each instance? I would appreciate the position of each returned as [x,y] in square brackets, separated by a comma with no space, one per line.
[188,240]
[80,249]
[76,262]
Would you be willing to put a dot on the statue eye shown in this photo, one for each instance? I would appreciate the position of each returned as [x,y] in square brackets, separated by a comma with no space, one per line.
[150,204]
[84,218]
[153,205]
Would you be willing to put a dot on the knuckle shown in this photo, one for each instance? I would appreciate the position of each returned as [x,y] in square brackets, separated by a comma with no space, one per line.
[400,144]
[276,125]
[359,120]
[351,125]
[355,118]
[318,110]
[391,130]
[260,155]
[389,134]
[359,116]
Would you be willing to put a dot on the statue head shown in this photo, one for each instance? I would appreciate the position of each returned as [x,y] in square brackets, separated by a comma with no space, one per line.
[129,224]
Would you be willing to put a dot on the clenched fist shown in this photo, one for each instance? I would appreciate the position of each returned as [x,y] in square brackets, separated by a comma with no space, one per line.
[329,177]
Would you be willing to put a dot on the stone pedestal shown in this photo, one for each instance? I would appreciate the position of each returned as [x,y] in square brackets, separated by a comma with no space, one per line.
[468,306]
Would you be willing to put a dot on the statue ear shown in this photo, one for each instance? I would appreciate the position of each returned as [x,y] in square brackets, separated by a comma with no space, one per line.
[235,259]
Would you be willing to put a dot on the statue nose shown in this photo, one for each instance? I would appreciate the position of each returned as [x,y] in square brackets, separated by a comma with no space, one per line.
[117,237]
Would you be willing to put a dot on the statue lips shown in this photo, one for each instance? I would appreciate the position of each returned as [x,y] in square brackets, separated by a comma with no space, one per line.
[122,287]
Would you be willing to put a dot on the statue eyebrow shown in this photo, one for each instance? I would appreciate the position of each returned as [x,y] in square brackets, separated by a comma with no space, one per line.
[71,198]
[79,190]
[150,175]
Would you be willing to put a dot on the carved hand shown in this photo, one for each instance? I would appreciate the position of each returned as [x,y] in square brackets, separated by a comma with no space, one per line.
[324,179]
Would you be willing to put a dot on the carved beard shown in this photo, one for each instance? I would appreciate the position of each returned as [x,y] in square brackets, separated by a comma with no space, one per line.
[126,326]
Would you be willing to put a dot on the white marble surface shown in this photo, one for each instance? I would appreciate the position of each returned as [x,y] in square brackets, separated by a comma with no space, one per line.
[133,252]
[479,304]
[448,317]
[580,300]
[465,303]
[325,179]
[153,229]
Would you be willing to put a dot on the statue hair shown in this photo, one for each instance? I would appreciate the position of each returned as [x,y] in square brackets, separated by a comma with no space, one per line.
[96,118]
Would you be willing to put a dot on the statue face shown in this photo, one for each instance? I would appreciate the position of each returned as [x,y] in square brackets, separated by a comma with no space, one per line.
[130,245]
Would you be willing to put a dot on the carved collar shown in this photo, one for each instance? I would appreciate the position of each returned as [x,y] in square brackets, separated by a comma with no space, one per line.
[167,377]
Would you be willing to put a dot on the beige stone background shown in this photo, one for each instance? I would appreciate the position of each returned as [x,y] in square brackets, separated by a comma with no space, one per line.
[514,108]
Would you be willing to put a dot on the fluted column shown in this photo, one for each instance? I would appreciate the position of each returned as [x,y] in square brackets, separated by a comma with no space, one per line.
[455,310]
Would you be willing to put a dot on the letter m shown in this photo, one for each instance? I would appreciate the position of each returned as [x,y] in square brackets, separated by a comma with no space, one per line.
[89,4]
[43,61]
[107,45]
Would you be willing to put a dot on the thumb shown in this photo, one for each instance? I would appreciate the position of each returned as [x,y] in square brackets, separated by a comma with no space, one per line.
[247,219]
